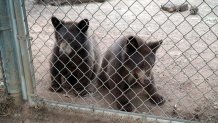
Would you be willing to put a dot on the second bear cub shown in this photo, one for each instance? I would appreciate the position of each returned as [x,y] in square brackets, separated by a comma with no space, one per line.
[126,63]
[75,56]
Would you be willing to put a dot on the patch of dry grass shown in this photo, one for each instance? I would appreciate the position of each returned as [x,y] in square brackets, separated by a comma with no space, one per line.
[6,104]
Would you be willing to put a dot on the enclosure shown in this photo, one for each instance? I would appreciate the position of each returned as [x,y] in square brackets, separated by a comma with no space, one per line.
[185,70]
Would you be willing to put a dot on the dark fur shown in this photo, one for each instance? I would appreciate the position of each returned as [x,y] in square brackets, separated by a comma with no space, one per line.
[74,56]
[123,65]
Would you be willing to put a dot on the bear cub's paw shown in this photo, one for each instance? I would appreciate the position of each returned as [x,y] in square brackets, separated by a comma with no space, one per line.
[157,99]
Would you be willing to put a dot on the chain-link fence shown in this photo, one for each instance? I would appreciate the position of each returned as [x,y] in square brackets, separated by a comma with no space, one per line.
[110,54]
[2,80]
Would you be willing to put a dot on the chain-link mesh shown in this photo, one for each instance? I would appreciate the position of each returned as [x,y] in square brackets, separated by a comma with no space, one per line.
[69,68]
[2,80]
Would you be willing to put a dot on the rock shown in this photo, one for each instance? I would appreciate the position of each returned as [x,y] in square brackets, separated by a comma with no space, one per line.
[170,7]
[193,10]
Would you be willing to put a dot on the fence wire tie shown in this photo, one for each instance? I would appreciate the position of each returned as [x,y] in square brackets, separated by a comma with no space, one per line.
[24,38]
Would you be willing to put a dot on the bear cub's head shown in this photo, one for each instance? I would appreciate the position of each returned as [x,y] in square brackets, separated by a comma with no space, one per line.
[70,36]
[140,57]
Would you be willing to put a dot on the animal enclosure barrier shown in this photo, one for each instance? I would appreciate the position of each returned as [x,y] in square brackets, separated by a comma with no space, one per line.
[2,80]
[145,57]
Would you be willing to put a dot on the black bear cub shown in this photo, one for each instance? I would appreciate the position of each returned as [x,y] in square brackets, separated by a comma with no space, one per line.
[75,56]
[126,63]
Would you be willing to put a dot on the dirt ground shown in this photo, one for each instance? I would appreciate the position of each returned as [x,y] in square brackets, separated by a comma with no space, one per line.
[186,70]
[10,113]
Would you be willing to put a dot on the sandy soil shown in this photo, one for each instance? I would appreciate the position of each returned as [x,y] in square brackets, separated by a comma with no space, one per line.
[186,70]
[11,113]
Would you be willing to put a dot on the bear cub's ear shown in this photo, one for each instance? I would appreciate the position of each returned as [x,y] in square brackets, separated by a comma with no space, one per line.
[83,25]
[56,23]
[155,45]
[132,44]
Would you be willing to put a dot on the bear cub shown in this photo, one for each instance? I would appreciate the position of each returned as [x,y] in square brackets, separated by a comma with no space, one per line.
[74,57]
[127,63]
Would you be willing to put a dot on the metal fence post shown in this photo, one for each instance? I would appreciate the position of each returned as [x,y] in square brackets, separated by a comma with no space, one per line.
[14,48]
[9,58]
[25,48]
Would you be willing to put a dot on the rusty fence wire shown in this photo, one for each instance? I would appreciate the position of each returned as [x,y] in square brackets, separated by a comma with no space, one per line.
[153,57]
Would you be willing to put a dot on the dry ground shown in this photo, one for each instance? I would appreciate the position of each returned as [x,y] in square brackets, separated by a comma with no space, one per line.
[186,71]
[10,113]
